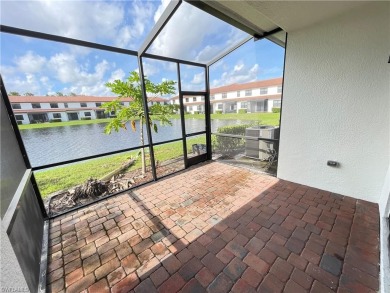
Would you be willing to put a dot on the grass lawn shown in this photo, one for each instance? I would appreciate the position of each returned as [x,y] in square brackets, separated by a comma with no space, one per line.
[264,118]
[59,178]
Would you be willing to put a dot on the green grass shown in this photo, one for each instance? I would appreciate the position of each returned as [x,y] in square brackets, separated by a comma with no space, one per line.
[60,178]
[264,118]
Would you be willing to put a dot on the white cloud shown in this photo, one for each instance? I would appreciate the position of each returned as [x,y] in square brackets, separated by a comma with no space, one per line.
[117,74]
[89,20]
[119,23]
[160,9]
[30,62]
[240,73]
[198,78]
[185,33]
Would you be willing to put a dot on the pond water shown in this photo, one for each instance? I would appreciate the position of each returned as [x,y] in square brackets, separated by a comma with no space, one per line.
[57,144]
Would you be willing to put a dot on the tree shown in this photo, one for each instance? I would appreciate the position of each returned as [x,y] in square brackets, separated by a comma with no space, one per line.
[13,94]
[72,94]
[59,94]
[131,88]
[28,94]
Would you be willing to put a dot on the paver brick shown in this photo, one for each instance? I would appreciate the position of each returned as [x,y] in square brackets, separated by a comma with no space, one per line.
[205,277]
[107,268]
[172,285]
[99,287]
[217,228]
[235,269]
[220,284]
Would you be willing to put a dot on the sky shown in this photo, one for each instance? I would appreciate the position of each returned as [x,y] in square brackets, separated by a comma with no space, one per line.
[44,67]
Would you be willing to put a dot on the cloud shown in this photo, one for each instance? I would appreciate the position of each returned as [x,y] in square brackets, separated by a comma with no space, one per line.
[160,9]
[192,34]
[240,73]
[30,62]
[198,78]
[119,23]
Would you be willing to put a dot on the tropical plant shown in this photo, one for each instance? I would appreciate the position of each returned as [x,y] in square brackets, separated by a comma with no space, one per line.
[13,94]
[131,88]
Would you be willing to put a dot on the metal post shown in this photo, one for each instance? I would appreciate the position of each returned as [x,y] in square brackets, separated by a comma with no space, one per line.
[146,109]
[207,111]
[281,105]
[182,117]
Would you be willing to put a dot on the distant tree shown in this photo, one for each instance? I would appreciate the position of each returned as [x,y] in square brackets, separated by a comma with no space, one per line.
[13,94]
[72,94]
[28,94]
[59,94]
[131,88]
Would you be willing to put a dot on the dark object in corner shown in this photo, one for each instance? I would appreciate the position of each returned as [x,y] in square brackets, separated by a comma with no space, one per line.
[332,163]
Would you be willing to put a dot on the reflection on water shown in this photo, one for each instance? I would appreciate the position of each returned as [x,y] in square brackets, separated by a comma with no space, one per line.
[50,145]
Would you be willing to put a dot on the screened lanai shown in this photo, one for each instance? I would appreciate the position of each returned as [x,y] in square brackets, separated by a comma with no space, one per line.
[57,60]
[140,146]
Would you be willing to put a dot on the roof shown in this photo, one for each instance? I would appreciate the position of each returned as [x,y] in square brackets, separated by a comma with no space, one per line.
[246,86]
[71,99]
[56,110]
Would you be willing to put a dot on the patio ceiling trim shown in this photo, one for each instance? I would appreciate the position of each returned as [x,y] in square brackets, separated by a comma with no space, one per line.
[160,24]
[49,37]
[253,31]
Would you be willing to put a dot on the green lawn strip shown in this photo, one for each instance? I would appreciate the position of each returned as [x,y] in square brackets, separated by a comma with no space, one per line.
[264,118]
[60,178]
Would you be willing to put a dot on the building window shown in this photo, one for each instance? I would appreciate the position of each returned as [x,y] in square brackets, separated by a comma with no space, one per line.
[112,113]
[279,90]
[66,105]
[212,97]
[122,103]
[202,98]
[248,93]
[277,104]
[194,99]
[263,91]
[83,105]
[224,95]
[16,106]
[98,104]
[87,114]
[238,94]
[244,105]
[220,106]
[56,115]
[19,117]
[189,108]
[187,100]
[53,105]
[36,105]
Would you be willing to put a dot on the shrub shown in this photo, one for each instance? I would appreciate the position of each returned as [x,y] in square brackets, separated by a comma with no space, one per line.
[55,120]
[85,118]
[229,146]
[275,110]
[242,111]
[33,122]
[218,112]
[196,112]
[187,113]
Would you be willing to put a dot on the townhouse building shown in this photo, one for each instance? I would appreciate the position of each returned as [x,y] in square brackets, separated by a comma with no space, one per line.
[39,109]
[257,96]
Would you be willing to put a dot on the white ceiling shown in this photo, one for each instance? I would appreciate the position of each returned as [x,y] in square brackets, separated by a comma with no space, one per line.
[288,15]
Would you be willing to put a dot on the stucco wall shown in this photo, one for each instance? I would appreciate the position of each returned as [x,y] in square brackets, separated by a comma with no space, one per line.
[336,103]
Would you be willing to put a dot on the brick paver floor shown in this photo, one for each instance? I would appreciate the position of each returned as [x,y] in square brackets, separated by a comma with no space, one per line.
[217,228]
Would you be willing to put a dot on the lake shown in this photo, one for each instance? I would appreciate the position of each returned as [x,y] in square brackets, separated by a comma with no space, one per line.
[57,144]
